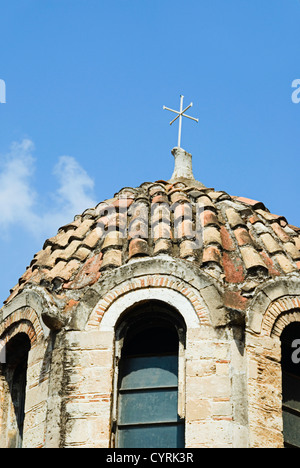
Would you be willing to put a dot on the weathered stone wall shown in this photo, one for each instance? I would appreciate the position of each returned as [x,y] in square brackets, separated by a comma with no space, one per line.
[88,377]
[230,377]
[215,410]
[36,396]
[264,391]
[215,413]
[272,309]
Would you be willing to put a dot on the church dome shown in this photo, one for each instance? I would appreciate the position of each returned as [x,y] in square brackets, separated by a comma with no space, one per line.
[171,291]
[236,241]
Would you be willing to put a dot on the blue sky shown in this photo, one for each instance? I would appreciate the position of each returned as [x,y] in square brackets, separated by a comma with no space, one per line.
[85,84]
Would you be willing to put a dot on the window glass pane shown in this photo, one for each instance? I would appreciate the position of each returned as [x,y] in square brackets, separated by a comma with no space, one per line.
[291,424]
[290,386]
[155,371]
[16,371]
[147,411]
[291,391]
[152,437]
[148,406]
[152,340]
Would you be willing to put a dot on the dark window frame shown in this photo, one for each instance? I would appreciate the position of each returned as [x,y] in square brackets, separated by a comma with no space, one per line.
[139,317]
[14,371]
[290,381]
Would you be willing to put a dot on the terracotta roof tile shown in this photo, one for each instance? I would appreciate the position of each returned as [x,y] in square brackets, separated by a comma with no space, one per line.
[211,235]
[160,198]
[280,232]
[162,246]
[254,203]
[92,239]
[289,230]
[157,188]
[138,247]
[184,229]
[177,196]
[60,240]
[161,230]
[218,196]
[111,258]
[235,235]
[251,258]
[242,236]
[183,211]
[42,256]
[160,212]
[112,239]
[87,275]
[269,216]
[205,202]
[187,248]
[116,221]
[253,218]
[260,227]
[284,263]
[234,218]
[212,254]
[64,270]
[82,229]
[208,217]
[81,254]
[138,228]
[271,245]
[291,248]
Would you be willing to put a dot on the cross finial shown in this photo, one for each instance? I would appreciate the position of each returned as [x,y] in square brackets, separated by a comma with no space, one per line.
[181,114]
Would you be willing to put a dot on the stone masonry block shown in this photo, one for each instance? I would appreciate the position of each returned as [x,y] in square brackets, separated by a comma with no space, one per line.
[197,409]
[215,305]
[211,386]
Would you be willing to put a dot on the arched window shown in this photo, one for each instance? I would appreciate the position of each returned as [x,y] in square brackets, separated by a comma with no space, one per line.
[15,372]
[148,412]
[290,362]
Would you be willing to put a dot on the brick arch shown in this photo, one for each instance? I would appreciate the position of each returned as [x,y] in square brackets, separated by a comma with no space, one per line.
[147,282]
[279,314]
[23,320]
[284,320]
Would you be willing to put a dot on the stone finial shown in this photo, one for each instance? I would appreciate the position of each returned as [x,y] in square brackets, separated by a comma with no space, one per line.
[183,164]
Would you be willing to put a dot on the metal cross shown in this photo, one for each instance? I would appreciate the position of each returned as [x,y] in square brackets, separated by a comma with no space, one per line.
[180,115]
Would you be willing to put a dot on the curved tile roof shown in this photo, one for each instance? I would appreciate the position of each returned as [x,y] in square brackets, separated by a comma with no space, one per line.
[233,239]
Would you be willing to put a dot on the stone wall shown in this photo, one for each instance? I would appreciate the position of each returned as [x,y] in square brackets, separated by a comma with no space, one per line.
[215,410]
[264,391]
[88,376]
[215,413]
[230,371]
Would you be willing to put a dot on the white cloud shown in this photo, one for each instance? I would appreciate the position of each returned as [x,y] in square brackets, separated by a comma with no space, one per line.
[19,200]
[75,185]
